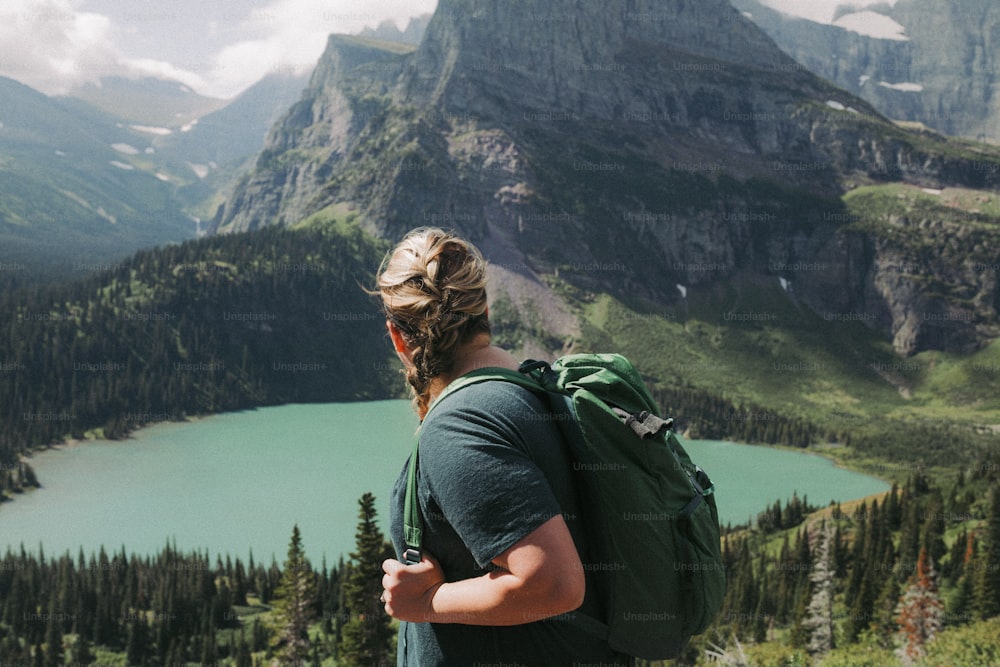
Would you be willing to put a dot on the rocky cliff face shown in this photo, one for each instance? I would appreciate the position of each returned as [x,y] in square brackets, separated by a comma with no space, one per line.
[626,148]
[942,73]
[313,138]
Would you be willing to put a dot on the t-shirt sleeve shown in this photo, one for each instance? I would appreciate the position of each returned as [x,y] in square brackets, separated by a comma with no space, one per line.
[475,461]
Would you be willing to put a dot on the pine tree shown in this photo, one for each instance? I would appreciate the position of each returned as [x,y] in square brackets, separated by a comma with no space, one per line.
[760,613]
[240,585]
[920,611]
[988,582]
[81,652]
[893,511]
[746,590]
[175,654]
[862,535]
[909,540]
[862,576]
[883,623]
[839,553]
[295,597]
[934,526]
[259,636]
[53,639]
[243,658]
[819,613]
[798,637]
[802,567]
[366,637]
[953,569]
[137,648]
[961,605]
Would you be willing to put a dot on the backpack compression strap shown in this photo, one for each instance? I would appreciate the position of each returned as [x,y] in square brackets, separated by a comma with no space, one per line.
[413,529]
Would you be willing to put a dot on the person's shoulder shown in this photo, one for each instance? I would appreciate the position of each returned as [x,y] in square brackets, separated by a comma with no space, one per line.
[496,398]
[495,410]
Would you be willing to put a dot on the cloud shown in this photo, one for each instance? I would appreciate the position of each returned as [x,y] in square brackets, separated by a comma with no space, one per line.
[54,45]
[291,35]
[50,46]
[161,70]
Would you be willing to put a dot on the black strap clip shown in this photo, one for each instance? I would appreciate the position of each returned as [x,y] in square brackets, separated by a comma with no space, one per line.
[645,424]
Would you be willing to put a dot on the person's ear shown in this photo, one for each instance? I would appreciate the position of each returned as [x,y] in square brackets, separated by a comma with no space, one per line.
[398,342]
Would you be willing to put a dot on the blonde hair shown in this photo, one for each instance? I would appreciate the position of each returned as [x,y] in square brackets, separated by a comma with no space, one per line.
[433,289]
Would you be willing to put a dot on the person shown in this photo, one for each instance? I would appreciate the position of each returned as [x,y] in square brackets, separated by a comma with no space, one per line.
[501,577]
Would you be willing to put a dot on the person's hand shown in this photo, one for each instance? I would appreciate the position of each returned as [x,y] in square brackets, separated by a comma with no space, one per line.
[409,589]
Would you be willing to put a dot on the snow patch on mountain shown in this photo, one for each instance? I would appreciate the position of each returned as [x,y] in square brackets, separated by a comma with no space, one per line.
[821,11]
[860,19]
[127,149]
[906,86]
[872,24]
[200,170]
[160,131]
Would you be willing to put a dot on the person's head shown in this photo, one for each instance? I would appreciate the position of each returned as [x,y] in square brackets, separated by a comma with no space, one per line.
[433,291]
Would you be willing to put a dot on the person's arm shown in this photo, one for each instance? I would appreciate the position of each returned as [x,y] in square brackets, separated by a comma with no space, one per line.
[540,576]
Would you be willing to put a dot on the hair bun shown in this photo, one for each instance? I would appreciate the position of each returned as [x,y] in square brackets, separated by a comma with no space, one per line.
[433,286]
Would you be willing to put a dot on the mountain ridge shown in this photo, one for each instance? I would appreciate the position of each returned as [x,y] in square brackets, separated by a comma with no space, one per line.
[148,101]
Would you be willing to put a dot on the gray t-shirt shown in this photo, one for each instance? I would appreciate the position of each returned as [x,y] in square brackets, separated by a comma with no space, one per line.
[493,468]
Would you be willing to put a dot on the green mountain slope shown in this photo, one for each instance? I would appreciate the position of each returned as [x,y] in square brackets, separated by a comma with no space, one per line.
[71,196]
[207,326]
[748,361]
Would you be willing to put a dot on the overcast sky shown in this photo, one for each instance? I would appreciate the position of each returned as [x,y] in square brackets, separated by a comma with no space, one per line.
[218,47]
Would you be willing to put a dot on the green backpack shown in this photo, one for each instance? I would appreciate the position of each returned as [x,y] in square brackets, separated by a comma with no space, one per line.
[650,514]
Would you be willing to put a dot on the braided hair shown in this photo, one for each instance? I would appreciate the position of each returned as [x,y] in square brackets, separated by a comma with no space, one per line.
[433,289]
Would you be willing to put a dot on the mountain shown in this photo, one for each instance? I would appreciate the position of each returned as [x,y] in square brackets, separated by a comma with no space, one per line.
[199,144]
[83,187]
[73,194]
[931,63]
[317,126]
[635,149]
[237,130]
[148,101]
[206,156]
[388,31]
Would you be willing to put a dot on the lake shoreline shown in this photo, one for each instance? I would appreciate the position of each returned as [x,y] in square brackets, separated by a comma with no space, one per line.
[71,443]
[220,482]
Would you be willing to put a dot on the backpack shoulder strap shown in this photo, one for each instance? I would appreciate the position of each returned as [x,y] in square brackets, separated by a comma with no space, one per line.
[485,375]
[412,523]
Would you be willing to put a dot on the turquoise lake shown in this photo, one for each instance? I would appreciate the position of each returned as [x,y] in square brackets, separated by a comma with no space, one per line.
[238,482]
